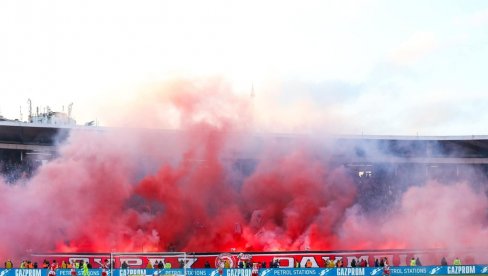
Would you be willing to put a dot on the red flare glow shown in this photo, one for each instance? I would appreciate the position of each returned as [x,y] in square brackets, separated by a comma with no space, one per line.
[143,190]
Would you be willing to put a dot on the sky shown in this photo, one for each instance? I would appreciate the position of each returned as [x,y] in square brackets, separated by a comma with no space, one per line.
[351,67]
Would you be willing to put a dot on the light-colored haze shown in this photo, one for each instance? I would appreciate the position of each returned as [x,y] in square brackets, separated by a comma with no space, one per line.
[215,185]
[373,67]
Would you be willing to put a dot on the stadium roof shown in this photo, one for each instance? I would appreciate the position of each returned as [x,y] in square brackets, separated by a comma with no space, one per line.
[25,136]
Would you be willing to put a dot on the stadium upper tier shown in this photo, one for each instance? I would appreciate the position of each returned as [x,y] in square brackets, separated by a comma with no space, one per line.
[26,136]
[344,148]
[413,149]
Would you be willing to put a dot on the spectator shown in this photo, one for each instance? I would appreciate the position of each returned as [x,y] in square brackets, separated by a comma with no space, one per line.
[353,263]
[104,267]
[52,268]
[362,263]
[444,261]
[207,264]
[124,265]
[457,261]
[386,266]
[339,263]
[417,262]
[85,269]
[308,264]
[73,268]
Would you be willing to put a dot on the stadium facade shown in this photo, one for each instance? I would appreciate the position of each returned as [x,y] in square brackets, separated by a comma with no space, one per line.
[389,163]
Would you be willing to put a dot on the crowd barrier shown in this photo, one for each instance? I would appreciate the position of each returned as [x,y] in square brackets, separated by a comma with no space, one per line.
[349,271]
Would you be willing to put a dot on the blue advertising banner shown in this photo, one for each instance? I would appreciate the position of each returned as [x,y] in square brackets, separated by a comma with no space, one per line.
[161,272]
[67,272]
[347,271]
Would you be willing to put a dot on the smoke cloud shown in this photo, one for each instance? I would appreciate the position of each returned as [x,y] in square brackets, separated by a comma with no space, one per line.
[215,184]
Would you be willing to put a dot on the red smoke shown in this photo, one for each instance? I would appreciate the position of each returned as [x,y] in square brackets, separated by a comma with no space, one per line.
[149,190]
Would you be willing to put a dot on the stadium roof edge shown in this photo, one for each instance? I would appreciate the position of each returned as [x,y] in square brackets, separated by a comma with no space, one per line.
[278,134]
[416,137]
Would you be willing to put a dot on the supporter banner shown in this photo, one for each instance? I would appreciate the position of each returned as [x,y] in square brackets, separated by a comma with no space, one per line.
[162,272]
[347,271]
[283,259]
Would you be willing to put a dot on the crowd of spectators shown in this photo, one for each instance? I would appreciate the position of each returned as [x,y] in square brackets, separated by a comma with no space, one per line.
[329,263]
[27,264]
[156,265]
[12,170]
